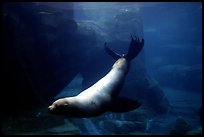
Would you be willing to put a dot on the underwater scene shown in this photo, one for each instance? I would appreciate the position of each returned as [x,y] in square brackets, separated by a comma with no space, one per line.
[101,68]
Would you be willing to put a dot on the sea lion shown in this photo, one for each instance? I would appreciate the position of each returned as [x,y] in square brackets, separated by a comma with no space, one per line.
[103,95]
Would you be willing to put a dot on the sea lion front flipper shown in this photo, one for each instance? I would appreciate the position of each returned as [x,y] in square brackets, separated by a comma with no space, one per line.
[123,104]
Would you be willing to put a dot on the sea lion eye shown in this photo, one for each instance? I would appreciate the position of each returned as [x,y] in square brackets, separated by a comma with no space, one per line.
[65,105]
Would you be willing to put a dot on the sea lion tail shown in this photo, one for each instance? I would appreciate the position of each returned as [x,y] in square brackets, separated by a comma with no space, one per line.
[134,49]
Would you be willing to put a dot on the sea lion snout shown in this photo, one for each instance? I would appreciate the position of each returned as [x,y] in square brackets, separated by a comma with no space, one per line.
[58,106]
[50,108]
[54,109]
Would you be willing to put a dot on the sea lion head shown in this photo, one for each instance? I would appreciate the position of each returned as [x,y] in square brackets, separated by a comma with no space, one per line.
[63,106]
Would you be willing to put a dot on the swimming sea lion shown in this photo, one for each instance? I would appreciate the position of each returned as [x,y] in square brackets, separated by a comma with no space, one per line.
[103,95]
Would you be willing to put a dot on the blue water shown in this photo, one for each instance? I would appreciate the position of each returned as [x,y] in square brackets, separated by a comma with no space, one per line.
[55,50]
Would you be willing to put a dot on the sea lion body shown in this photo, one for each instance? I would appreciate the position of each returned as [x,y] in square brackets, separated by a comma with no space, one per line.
[100,97]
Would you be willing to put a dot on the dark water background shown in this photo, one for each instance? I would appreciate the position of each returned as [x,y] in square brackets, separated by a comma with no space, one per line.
[53,50]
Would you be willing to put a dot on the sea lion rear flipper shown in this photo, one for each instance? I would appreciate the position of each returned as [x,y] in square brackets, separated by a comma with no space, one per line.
[115,55]
[135,47]
[123,104]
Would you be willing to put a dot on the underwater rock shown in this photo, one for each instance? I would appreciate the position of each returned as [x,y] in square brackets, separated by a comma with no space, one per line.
[180,127]
[125,22]
[37,122]
[160,105]
[155,96]
[37,59]
[95,32]
[122,127]
[29,65]
[140,114]
[148,90]
[72,89]
[197,131]
[191,76]
[88,28]
[66,129]
[23,125]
